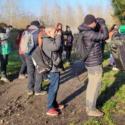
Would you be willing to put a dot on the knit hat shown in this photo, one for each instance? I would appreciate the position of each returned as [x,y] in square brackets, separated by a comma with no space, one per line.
[59,24]
[36,23]
[89,19]
[122,29]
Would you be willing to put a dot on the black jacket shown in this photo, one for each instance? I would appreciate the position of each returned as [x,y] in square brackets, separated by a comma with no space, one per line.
[90,37]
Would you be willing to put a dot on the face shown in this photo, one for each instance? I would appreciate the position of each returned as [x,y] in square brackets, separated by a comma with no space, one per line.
[68,29]
[52,32]
[92,25]
[60,27]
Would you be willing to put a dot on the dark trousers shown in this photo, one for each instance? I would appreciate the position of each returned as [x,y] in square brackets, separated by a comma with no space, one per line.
[102,46]
[23,69]
[4,62]
[53,89]
[31,80]
[68,52]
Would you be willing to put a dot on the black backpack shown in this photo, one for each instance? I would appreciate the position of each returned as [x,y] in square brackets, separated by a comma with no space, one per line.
[41,61]
[80,50]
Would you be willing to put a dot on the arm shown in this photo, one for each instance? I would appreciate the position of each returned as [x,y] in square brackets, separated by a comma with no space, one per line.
[97,36]
[52,45]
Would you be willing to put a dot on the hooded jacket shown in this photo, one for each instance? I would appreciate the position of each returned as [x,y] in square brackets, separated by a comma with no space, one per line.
[52,45]
[4,41]
[90,37]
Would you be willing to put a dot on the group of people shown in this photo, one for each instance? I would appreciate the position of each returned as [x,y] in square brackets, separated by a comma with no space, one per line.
[53,40]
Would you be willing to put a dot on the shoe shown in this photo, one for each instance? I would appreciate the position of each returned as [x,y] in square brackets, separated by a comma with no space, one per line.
[114,68]
[5,79]
[41,93]
[30,93]
[59,106]
[95,113]
[52,112]
[21,76]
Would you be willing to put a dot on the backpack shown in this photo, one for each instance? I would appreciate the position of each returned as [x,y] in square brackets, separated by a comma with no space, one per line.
[80,51]
[27,43]
[42,62]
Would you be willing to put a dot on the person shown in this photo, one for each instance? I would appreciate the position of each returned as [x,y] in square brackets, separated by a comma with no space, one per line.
[94,62]
[5,49]
[51,47]
[27,27]
[23,70]
[30,66]
[68,44]
[112,33]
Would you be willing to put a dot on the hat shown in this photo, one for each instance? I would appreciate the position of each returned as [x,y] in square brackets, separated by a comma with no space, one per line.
[36,23]
[59,24]
[122,29]
[89,19]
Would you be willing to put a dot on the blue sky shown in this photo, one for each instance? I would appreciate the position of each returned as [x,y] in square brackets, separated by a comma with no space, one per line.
[34,6]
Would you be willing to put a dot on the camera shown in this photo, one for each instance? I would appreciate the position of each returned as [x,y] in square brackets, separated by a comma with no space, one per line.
[97,27]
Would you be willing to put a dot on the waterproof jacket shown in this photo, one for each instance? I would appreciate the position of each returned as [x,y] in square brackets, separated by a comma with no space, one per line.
[68,36]
[51,45]
[90,37]
[5,47]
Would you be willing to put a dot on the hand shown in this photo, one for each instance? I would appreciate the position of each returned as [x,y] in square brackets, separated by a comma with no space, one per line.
[59,33]
[100,20]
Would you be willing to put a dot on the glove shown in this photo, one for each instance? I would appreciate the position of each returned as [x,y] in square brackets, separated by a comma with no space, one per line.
[100,20]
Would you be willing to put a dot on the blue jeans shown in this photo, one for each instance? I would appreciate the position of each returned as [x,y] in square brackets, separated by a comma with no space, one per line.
[53,89]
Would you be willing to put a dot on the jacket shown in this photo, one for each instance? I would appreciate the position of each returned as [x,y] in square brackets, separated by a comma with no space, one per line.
[39,38]
[68,36]
[18,43]
[5,47]
[90,37]
[52,45]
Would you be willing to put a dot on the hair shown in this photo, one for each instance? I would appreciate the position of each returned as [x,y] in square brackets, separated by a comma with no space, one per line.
[27,27]
[48,28]
[21,31]
[42,26]
[112,28]
[2,25]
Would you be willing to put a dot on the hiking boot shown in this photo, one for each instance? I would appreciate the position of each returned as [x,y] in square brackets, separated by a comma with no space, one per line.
[5,79]
[95,113]
[52,112]
[41,93]
[30,93]
[59,106]
[21,76]
[114,68]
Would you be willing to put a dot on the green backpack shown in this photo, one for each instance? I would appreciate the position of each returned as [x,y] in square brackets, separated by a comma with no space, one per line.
[6,49]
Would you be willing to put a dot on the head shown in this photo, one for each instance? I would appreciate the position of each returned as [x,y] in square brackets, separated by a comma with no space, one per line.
[90,20]
[36,23]
[3,26]
[112,28]
[21,31]
[27,27]
[59,26]
[67,28]
[42,28]
[51,31]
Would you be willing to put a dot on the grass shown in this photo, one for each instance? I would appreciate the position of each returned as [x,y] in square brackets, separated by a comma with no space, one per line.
[111,98]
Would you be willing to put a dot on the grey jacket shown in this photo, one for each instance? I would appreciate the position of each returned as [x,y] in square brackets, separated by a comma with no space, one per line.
[3,37]
[91,37]
[52,45]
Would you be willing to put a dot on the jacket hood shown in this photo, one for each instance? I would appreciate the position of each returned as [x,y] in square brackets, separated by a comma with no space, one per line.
[45,36]
[84,27]
[33,27]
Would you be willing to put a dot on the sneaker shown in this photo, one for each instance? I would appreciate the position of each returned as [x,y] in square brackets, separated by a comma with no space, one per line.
[5,79]
[52,112]
[114,68]
[95,113]
[41,93]
[21,76]
[30,93]
[59,106]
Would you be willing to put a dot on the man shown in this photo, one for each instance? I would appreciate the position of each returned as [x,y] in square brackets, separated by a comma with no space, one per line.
[68,44]
[5,49]
[30,66]
[94,62]
[51,46]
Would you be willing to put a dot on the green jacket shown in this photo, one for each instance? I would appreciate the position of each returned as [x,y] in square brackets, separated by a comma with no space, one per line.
[5,47]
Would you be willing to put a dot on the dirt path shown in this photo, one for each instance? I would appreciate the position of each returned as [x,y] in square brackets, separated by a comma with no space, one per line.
[17,108]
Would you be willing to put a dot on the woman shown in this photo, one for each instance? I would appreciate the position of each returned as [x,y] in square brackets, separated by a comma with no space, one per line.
[22,57]
[112,33]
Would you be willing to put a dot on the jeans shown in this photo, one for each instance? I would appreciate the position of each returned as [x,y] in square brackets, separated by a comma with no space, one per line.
[94,86]
[31,80]
[4,62]
[23,69]
[53,89]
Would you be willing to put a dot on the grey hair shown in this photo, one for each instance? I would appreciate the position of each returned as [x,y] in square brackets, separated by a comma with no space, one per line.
[48,28]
